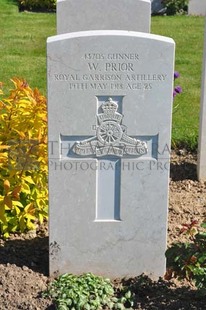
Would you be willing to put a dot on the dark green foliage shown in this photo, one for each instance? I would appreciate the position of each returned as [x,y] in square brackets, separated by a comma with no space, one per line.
[37,5]
[175,6]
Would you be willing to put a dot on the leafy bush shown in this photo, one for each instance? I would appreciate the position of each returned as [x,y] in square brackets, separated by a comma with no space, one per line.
[188,260]
[37,5]
[86,292]
[175,6]
[23,159]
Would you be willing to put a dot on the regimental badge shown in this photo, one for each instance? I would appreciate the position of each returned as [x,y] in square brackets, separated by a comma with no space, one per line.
[111,136]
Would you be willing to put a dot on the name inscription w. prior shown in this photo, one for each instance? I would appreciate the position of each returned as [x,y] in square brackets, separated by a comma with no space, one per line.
[110,72]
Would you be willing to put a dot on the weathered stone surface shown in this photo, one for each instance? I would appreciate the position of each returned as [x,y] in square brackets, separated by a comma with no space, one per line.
[81,15]
[197,7]
[109,113]
[201,165]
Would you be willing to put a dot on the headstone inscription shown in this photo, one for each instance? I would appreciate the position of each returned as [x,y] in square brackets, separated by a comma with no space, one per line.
[133,15]
[197,7]
[109,114]
[201,164]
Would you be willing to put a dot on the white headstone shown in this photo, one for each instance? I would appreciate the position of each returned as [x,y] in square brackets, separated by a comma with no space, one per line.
[201,165]
[109,114]
[81,15]
[197,7]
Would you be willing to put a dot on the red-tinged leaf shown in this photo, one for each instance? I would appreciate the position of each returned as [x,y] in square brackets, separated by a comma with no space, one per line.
[16,191]
[169,274]
[8,202]
[194,222]
[193,259]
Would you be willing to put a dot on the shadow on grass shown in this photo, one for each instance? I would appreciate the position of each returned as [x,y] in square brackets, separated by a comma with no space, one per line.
[32,253]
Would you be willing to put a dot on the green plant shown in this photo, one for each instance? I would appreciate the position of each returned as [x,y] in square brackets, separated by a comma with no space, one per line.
[175,6]
[37,5]
[188,260]
[86,292]
[23,159]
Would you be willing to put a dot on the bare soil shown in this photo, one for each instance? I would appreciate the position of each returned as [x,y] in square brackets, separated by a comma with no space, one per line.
[24,258]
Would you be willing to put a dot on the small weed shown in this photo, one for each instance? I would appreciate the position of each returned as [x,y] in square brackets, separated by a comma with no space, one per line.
[87,292]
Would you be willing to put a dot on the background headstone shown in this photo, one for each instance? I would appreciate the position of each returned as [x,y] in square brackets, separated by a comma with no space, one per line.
[82,15]
[197,7]
[201,165]
[109,117]
[157,7]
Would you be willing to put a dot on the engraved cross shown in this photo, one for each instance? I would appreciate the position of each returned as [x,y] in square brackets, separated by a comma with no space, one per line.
[108,146]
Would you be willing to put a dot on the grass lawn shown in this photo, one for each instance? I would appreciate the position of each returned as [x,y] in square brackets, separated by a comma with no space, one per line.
[23,54]
[188,33]
[23,44]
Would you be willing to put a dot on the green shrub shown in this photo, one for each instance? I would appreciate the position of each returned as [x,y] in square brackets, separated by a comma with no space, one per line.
[23,159]
[87,292]
[37,5]
[188,260]
[175,6]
